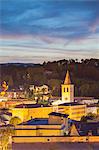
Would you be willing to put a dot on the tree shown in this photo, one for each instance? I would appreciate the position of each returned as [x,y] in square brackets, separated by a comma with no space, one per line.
[98,111]
[55,86]
[84,89]
[15,120]
[6,136]
[91,115]
[10,82]
[83,119]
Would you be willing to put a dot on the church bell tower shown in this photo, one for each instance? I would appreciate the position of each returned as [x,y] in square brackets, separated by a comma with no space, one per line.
[67,89]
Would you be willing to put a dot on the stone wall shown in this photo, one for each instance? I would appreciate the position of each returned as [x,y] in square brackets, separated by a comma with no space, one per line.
[55,139]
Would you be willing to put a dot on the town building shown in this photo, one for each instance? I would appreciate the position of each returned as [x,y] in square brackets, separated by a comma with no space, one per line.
[55,125]
[65,105]
[92,109]
[67,90]
[50,122]
[86,100]
[39,89]
[26,111]
[16,94]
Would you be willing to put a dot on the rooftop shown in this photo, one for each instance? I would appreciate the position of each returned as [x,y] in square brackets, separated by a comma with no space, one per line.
[85,127]
[39,121]
[90,126]
[70,104]
[83,98]
[30,106]
[67,78]
[58,114]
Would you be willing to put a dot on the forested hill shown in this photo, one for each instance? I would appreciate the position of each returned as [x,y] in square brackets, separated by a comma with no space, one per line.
[84,74]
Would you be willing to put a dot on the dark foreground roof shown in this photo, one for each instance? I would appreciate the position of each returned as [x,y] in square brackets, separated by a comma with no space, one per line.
[30,106]
[70,104]
[92,126]
[58,114]
[6,113]
[85,127]
[39,121]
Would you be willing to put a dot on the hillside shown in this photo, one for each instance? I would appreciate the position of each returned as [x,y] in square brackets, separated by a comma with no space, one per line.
[84,74]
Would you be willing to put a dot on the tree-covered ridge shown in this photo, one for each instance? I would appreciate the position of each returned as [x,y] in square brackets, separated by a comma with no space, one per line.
[84,74]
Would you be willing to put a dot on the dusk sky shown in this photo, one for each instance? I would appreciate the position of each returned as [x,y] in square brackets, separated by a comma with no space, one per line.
[34,31]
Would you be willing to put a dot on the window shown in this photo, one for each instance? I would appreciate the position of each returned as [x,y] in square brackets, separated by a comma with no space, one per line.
[64,89]
[62,118]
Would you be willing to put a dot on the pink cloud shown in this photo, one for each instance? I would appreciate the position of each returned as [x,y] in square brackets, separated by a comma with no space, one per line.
[94,25]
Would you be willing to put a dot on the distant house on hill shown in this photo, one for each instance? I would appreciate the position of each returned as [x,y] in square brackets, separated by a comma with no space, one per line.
[41,89]
[16,94]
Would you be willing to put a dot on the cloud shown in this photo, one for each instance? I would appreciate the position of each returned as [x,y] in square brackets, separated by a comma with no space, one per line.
[95,24]
[41,59]
[48,29]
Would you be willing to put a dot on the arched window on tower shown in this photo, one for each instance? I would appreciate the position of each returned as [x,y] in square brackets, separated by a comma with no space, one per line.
[67,90]
[64,89]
